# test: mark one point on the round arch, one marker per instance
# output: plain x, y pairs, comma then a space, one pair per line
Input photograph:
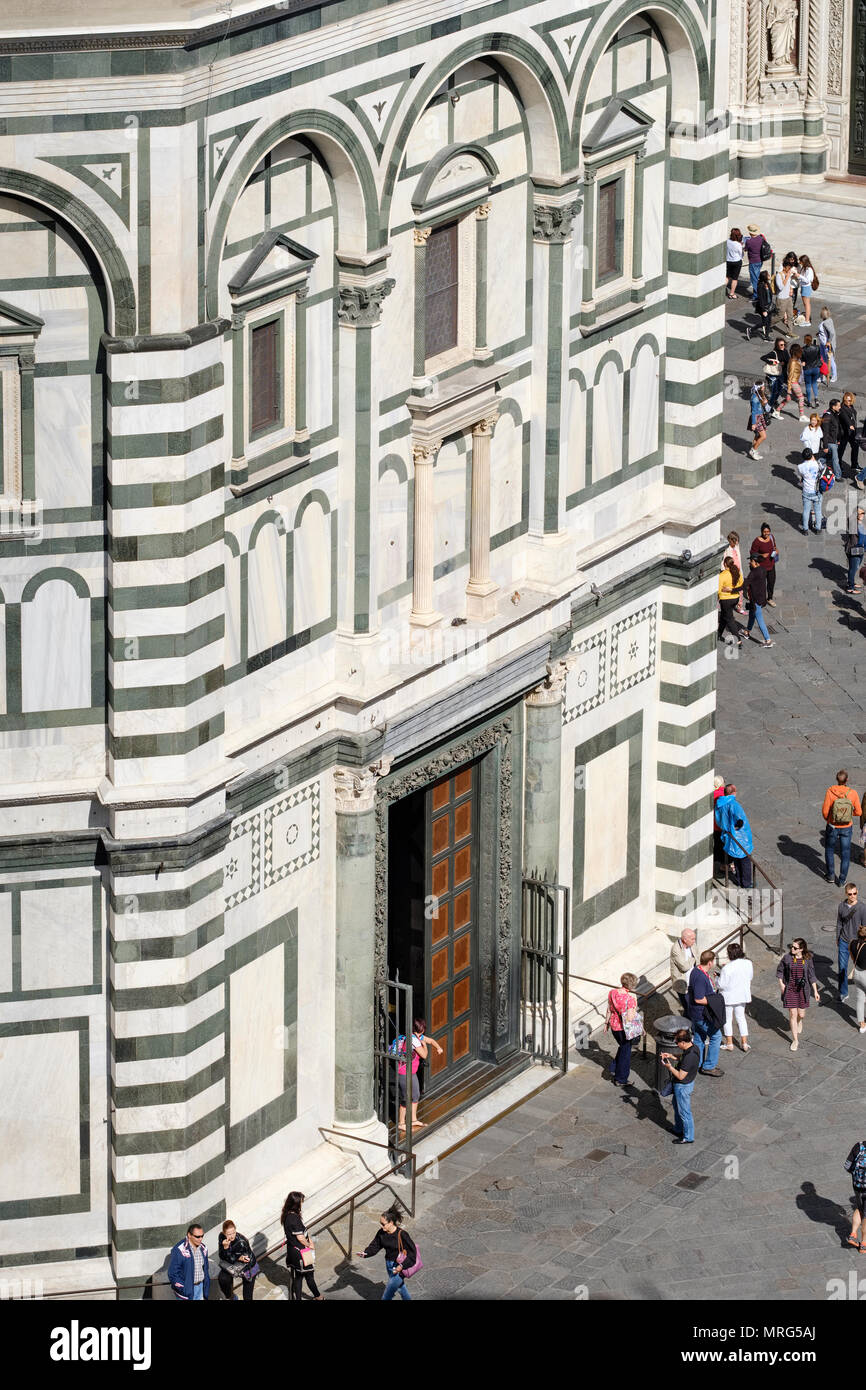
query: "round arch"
646, 340
86, 226
347, 163
317, 496
609, 356
393, 463
66, 576
679, 26
536, 82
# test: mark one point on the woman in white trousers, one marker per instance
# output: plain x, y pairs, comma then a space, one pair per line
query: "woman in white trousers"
735, 984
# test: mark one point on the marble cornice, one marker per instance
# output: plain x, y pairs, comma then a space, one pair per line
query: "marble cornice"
168, 342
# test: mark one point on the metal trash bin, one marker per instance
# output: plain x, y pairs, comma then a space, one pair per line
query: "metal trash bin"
666, 1029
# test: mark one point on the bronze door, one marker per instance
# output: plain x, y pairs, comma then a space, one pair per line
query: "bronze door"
857, 127
451, 947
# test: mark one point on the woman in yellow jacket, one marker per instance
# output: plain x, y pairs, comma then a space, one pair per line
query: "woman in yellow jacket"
730, 589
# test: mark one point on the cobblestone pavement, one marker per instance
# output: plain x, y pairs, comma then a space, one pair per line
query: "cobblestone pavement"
579, 1191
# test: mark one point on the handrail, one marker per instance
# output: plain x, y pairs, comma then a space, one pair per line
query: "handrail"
320, 1222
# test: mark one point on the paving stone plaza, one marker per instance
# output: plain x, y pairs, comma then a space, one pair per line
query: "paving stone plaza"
577, 1193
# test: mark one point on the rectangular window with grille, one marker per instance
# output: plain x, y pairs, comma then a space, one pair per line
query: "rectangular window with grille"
265, 377
440, 291
609, 239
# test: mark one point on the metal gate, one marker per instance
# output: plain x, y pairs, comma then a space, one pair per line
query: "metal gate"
544, 971
394, 1018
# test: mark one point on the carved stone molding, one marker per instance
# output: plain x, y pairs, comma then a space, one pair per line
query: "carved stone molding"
355, 787
552, 688
553, 223
361, 305
499, 735
835, 46
425, 451
482, 212
788, 89
487, 424
421, 235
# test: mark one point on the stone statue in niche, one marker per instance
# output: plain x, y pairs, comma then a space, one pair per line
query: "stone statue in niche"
781, 24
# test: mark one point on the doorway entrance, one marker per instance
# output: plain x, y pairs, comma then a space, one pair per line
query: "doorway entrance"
857, 127
432, 916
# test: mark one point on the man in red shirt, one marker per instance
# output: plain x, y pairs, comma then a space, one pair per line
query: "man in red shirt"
841, 805
765, 547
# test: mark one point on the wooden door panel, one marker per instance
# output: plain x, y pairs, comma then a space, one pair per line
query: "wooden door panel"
450, 953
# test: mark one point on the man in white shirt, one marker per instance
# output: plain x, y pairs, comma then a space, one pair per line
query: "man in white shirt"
809, 470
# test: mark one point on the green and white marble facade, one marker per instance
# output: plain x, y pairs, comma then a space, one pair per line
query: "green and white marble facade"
219, 649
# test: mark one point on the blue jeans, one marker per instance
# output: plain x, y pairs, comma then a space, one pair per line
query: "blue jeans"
854, 564
811, 503
710, 1044
756, 615
777, 389
621, 1064
198, 1293
682, 1097
810, 384
844, 952
754, 272
833, 455
396, 1283
838, 836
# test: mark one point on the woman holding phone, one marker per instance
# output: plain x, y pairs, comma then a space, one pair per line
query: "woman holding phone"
300, 1254
796, 976
400, 1252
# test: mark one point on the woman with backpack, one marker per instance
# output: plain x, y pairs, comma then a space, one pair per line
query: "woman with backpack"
827, 343
855, 1164
401, 1253
300, 1254
854, 542
811, 369
796, 976
857, 957
848, 436
732, 552
795, 371
420, 1047
622, 1019
758, 412
764, 305
776, 373
809, 282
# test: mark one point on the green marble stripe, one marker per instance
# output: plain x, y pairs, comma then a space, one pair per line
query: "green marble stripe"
15, 721
168, 1189
161, 1045
170, 1140
126, 496
696, 172
687, 694
692, 350
602, 485
166, 390
695, 262
669, 905
58, 545
168, 996
684, 656
689, 613
143, 218
166, 745
167, 646
681, 735
679, 860
553, 386
148, 697
680, 477
363, 451
167, 545
169, 899
682, 817
167, 948
690, 436
169, 1092
696, 305
167, 595
165, 444
697, 218
39, 1257
683, 776
163, 1237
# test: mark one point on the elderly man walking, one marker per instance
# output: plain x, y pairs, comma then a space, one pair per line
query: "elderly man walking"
682, 962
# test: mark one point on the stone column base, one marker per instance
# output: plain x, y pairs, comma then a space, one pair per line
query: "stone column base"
481, 601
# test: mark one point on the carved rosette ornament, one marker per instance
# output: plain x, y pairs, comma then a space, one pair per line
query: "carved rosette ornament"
552, 688
355, 787
361, 305
551, 222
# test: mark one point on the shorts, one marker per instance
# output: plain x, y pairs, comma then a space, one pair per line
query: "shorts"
860, 1200
805, 290
759, 424
401, 1088
732, 269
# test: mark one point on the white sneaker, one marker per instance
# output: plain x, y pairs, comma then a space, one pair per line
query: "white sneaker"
804, 419
753, 455
776, 414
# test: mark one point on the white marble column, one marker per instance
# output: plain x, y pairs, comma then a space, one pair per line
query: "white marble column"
423, 613
481, 591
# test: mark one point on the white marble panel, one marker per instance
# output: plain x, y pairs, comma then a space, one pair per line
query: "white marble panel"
311, 599
392, 530
267, 590
429, 135
55, 649
631, 65
57, 937
607, 423
601, 85
576, 456
509, 111
248, 215
67, 257
2, 658
320, 368
449, 489
5, 942
652, 260
319, 189
63, 440
643, 414
606, 820
66, 335
26, 251
473, 114
318, 236
657, 57
288, 196
39, 1102
233, 608
506, 474
257, 1021
507, 250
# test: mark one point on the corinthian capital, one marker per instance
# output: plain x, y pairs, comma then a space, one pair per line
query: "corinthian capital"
551, 689
355, 787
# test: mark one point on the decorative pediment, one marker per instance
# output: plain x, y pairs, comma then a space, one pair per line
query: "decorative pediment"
458, 174
275, 261
620, 123
17, 323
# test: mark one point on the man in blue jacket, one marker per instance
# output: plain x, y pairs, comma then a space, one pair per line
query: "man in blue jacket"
736, 834
188, 1271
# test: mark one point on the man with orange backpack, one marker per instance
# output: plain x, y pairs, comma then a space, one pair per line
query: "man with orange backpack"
841, 805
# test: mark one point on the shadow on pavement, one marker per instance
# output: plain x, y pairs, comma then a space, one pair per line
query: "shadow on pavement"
822, 1210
